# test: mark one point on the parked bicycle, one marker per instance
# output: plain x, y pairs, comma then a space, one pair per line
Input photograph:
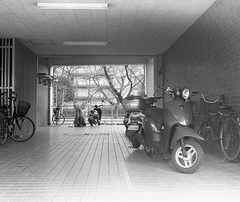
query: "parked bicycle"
227, 133
13, 120
58, 118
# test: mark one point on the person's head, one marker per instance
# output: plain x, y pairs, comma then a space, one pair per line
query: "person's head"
96, 106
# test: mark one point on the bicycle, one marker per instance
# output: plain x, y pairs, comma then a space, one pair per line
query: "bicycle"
58, 118
13, 120
228, 135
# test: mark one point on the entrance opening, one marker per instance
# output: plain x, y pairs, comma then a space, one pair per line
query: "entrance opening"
78, 89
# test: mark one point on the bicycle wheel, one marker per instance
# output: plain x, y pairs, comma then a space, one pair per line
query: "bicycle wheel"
58, 120
205, 131
23, 129
230, 138
3, 132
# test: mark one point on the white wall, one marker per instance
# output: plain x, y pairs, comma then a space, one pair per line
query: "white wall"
153, 79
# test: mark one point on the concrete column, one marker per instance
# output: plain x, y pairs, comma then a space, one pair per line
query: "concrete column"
44, 94
154, 76
150, 78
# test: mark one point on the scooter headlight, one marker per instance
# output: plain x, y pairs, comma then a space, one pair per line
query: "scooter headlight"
185, 93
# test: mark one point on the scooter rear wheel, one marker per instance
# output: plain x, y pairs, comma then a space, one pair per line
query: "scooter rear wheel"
148, 150
192, 161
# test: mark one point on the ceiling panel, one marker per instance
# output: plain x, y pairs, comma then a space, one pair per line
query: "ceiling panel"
131, 27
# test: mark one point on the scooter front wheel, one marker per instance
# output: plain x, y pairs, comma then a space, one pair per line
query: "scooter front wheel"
192, 161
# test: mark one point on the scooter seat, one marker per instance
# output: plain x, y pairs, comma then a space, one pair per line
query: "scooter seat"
155, 113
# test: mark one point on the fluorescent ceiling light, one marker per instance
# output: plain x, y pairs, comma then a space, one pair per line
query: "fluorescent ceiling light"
72, 5
85, 43
41, 41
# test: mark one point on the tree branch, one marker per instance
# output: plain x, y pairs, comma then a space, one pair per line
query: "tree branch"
114, 90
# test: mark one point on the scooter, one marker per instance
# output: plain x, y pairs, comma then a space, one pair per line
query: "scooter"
167, 131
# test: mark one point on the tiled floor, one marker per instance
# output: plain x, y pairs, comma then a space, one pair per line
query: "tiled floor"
86, 164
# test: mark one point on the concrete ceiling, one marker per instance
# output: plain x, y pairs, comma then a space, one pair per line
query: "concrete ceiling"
131, 27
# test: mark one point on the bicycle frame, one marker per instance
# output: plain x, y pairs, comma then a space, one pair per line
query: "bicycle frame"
228, 135
214, 128
57, 113
57, 116
17, 126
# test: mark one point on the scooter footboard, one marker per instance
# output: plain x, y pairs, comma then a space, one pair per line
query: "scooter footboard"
181, 132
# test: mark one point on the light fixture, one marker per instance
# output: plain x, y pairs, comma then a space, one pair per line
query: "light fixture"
72, 5
85, 43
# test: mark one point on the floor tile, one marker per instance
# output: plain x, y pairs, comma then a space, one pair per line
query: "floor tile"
62, 163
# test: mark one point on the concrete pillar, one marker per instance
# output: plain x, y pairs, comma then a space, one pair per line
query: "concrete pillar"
44, 98
154, 76
150, 80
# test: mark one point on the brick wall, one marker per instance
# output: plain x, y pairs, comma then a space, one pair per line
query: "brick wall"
207, 56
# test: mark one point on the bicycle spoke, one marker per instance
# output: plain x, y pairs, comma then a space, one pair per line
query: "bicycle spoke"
58, 119
23, 130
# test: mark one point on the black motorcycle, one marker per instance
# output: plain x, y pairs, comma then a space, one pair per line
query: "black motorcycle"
167, 131
93, 117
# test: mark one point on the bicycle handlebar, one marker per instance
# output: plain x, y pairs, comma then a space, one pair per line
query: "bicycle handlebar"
209, 101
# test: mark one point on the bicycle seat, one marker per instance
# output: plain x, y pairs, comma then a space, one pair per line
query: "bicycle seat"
224, 109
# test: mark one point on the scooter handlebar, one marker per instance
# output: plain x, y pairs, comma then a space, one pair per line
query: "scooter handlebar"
167, 89
150, 100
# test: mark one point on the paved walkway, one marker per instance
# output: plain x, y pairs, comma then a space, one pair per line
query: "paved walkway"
97, 164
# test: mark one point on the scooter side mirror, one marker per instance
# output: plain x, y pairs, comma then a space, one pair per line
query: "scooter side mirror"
168, 89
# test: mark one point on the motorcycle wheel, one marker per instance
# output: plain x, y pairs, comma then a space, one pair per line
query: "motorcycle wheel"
135, 143
194, 158
91, 122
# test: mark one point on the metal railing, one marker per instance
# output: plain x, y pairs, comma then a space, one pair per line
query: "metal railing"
111, 114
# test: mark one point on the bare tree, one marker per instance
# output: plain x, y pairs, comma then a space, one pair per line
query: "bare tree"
111, 82
64, 76
123, 79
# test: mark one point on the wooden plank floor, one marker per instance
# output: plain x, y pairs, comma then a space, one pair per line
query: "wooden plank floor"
97, 164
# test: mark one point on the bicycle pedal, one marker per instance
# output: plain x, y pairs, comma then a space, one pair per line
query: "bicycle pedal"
16, 136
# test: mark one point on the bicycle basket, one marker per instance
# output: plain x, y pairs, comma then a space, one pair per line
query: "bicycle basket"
22, 108
209, 108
